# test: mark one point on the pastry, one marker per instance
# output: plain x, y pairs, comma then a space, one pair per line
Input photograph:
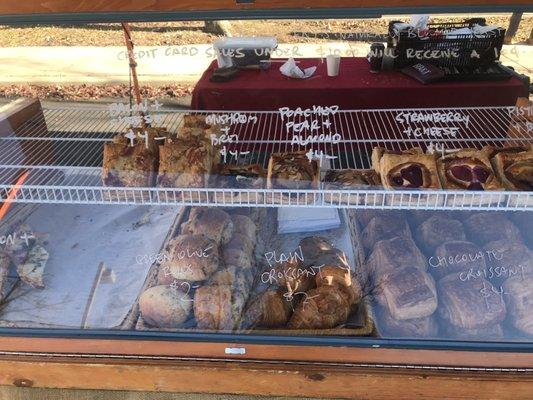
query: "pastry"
417, 217
519, 301
321, 308
415, 328
214, 308
31, 271
211, 222
164, 306
514, 167
524, 221
378, 152
506, 258
488, 333
195, 126
363, 216
457, 257
407, 170
342, 279
312, 246
470, 303
4, 271
407, 293
330, 257
185, 163
190, 258
468, 169
241, 178
485, 227
130, 166
384, 227
291, 276
292, 171
436, 230
240, 242
392, 254
233, 276
270, 309
245, 226
352, 179
238, 258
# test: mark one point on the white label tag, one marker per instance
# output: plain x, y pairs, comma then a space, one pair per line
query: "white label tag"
235, 350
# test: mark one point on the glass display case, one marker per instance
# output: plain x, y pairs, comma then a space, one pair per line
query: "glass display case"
354, 191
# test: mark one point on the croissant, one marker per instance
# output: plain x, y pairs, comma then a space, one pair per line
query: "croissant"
341, 278
321, 308
270, 309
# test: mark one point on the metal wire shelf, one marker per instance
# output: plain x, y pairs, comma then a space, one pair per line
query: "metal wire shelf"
63, 156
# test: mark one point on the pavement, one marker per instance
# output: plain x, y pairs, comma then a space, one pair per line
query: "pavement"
159, 65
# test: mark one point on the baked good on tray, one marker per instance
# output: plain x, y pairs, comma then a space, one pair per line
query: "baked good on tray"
519, 298
239, 177
321, 308
456, 257
185, 163
164, 306
269, 309
383, 227
292, 171
485, 227
514, 168
131, 166
212, 222
392, 254
409, 170
469, 303
437, 229
407, 293
393, 328
190, 258
352, 179
468, 169
195, 126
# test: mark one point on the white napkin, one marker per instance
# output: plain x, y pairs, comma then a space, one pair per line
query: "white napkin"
419, 22
294, 219
482, 30
291, 70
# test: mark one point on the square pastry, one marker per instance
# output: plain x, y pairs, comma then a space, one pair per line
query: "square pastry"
408, 170
186, 163
240, 177
195, 126
128, 165
469, 169
514, 167
292, 171
352, 179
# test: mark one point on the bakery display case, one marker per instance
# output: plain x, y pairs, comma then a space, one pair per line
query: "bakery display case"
334, 229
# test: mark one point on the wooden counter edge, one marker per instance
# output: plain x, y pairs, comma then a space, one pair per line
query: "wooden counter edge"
142, 348
264, 379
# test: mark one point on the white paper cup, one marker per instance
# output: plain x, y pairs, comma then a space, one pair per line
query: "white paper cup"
333, 62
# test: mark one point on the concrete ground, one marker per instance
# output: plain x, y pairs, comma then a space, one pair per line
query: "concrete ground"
167, 64
12, 393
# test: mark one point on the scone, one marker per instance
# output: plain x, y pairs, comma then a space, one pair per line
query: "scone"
292, 171
130, 166
211, 222
185, 163
242, 178
352, 179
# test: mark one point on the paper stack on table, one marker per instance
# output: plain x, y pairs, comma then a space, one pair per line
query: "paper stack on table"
292, 220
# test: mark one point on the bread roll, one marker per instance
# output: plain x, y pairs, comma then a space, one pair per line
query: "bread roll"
485, 227
382, 228
407, 293
469, 304
213, 307
321, 308
392, 254
457, 257
211, 222
164, 307
245, 226
519, 300
436, 230
238, 258
415, 328
191, 258
240, 242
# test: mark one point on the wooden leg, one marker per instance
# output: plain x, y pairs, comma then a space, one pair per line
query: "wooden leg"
514, 23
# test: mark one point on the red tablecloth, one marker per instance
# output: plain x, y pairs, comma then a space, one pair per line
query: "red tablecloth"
355, 88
